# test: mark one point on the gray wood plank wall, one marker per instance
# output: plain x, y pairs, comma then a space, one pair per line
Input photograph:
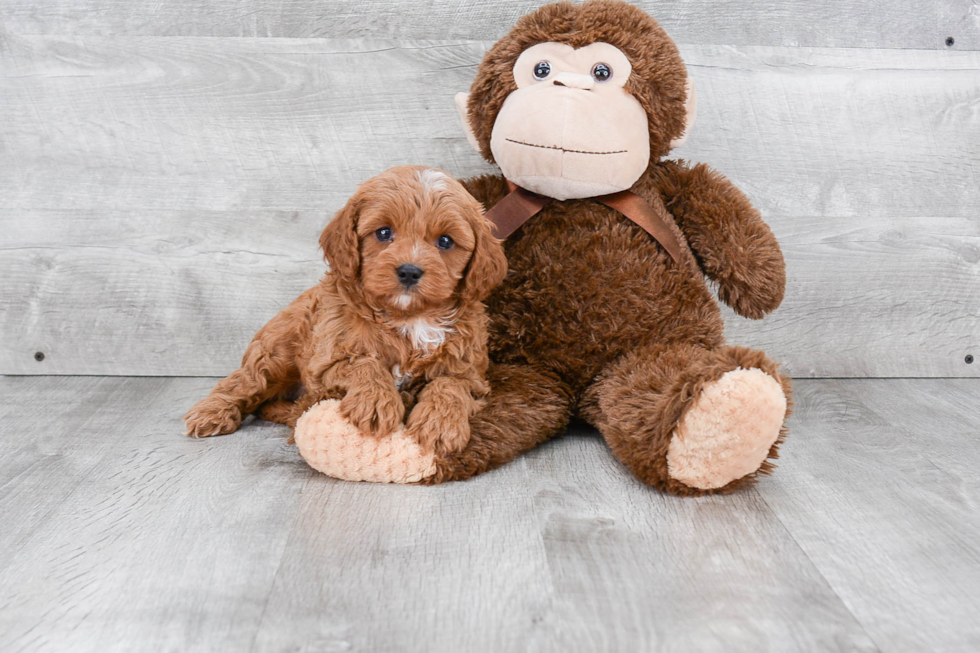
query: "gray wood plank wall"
827, 23
165, 169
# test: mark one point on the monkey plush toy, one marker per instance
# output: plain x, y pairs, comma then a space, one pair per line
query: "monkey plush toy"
605, 313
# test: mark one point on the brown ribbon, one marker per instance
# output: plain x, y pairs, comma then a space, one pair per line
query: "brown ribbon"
515, 209
520, 205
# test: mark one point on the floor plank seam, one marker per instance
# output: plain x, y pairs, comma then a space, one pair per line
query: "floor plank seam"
282, 560
539, 525
816, 568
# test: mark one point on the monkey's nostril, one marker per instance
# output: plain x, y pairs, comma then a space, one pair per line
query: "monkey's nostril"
409, 274
557, 83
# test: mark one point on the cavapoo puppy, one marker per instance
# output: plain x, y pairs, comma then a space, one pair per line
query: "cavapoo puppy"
397, 324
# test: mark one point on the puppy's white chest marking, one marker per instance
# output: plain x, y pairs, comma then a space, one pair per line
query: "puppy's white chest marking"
425, 335
401, 378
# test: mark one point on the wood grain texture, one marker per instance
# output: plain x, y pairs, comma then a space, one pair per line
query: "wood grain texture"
634, 570
161, 196
292, 124
827, 23
880, 489
120, 534
873, 297
458, 567
158, 292
167, 292
223, 124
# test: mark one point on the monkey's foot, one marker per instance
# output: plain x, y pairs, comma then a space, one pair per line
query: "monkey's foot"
332, 445
728, 431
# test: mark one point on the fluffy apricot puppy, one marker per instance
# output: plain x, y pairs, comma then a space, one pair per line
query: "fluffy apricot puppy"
396, 324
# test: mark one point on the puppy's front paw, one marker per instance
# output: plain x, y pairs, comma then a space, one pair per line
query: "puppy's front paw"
374, 413
212, 416
436, 431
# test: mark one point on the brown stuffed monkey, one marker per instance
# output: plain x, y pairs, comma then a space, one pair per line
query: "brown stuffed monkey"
606, 313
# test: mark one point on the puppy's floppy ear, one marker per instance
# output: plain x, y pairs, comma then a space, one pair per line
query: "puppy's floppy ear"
488, 264
340, 243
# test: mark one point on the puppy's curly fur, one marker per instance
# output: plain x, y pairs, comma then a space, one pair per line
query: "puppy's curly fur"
396, 325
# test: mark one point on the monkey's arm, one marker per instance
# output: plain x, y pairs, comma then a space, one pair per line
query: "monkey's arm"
732, 244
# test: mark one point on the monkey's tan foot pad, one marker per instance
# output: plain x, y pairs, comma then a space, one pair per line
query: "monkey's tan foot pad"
728, 431
332, 445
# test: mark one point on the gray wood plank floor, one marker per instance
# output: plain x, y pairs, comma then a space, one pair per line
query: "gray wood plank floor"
119, 534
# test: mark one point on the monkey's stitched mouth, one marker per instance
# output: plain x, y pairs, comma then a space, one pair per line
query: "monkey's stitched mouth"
555, 147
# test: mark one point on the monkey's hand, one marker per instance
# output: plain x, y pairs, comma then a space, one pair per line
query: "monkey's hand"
733, 245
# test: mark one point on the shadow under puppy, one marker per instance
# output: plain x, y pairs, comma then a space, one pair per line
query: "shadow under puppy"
396, 325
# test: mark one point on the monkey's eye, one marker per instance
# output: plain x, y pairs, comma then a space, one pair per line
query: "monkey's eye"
542, 69
601, 72
445, 242
383, 234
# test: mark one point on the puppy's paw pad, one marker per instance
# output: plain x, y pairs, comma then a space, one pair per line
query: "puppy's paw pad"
332, 445
728, 431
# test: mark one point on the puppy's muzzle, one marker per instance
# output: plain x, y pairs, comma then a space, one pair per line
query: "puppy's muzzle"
409, 274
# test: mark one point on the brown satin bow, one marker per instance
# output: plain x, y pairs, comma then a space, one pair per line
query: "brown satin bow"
520, 205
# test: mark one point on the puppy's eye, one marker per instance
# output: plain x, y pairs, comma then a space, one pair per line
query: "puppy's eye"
601, 72
383, 234
542, 69
445, 242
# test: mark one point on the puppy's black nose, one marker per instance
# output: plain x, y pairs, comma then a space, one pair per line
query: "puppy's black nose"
409, 274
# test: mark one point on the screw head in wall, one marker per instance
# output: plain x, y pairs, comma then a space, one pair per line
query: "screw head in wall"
39, 356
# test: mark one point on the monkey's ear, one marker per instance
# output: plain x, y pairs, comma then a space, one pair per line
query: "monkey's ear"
340, 244
691, 107
461, 101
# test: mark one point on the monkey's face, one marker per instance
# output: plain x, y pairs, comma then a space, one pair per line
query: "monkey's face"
571, 129
579, 100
